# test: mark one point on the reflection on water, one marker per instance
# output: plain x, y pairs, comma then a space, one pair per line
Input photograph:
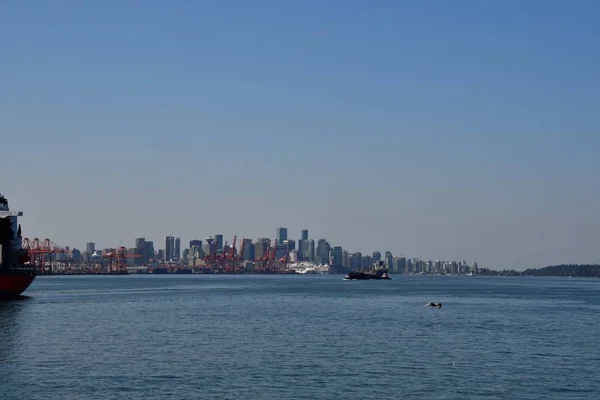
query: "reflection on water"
10, 327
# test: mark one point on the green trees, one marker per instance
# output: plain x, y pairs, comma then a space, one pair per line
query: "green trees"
574, 270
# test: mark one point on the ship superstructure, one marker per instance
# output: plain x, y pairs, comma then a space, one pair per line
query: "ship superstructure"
15, 276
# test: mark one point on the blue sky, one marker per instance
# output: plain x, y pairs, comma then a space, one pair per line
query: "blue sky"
443, 130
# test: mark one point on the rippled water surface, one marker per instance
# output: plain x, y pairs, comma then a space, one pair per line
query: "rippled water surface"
301, 337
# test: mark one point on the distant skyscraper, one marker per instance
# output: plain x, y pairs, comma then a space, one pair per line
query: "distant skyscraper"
345, 258
249, 254
196, 252
76, 255
148, 252
323, 251
260, 247
195, 242
289, 245
356, 262
402, 265
281, 235
303, 238
376, 257
177, 253
219, 242
337, 256
389, 261
131, 261
169, 248
139, 252
366, 263
210, 248
90, 247
308, 250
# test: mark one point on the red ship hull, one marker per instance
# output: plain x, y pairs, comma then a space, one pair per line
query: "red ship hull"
12, 285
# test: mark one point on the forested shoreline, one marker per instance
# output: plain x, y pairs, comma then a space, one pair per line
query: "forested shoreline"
572, 270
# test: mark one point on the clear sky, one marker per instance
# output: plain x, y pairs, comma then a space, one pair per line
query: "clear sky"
434, 129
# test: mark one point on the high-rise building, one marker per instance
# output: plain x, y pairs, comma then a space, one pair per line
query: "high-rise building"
293, 256
260, 247
90, 247
76, 255
132, 261
402, 265
195, 253
337, 256
177, 252
289, 245
366, 262
169, 248
303, 237
195, 242
148, 252
210, 248
376, 257
249, 253
322, 252
351, 261
345, 258
219, 242
389, 261
139, 252
281, 235
356, 263
308, 250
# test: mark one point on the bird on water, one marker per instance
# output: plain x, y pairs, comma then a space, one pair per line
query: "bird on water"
432, 304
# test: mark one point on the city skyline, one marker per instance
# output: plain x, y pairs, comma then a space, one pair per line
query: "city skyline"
250, 255
162, 246
430, 128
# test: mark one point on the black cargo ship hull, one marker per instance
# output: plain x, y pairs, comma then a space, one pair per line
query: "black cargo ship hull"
368, 276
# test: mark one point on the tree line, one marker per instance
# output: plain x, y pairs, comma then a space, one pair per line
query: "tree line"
573, 270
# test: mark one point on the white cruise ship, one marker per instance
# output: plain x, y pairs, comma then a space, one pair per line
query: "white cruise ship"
305, 267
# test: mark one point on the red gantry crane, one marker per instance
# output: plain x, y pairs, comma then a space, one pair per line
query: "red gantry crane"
117, 260
40, 253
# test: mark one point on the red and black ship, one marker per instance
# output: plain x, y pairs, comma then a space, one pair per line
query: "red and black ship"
15, 275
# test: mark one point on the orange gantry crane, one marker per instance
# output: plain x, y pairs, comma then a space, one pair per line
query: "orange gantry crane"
261, 263
40, 253
229, 255
230, 260
268, 263
117, 260
240, 258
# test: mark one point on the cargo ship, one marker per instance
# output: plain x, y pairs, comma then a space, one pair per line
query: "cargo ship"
378, 274
15, 275
359, 275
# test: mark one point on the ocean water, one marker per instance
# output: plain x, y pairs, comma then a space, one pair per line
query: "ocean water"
301, 337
